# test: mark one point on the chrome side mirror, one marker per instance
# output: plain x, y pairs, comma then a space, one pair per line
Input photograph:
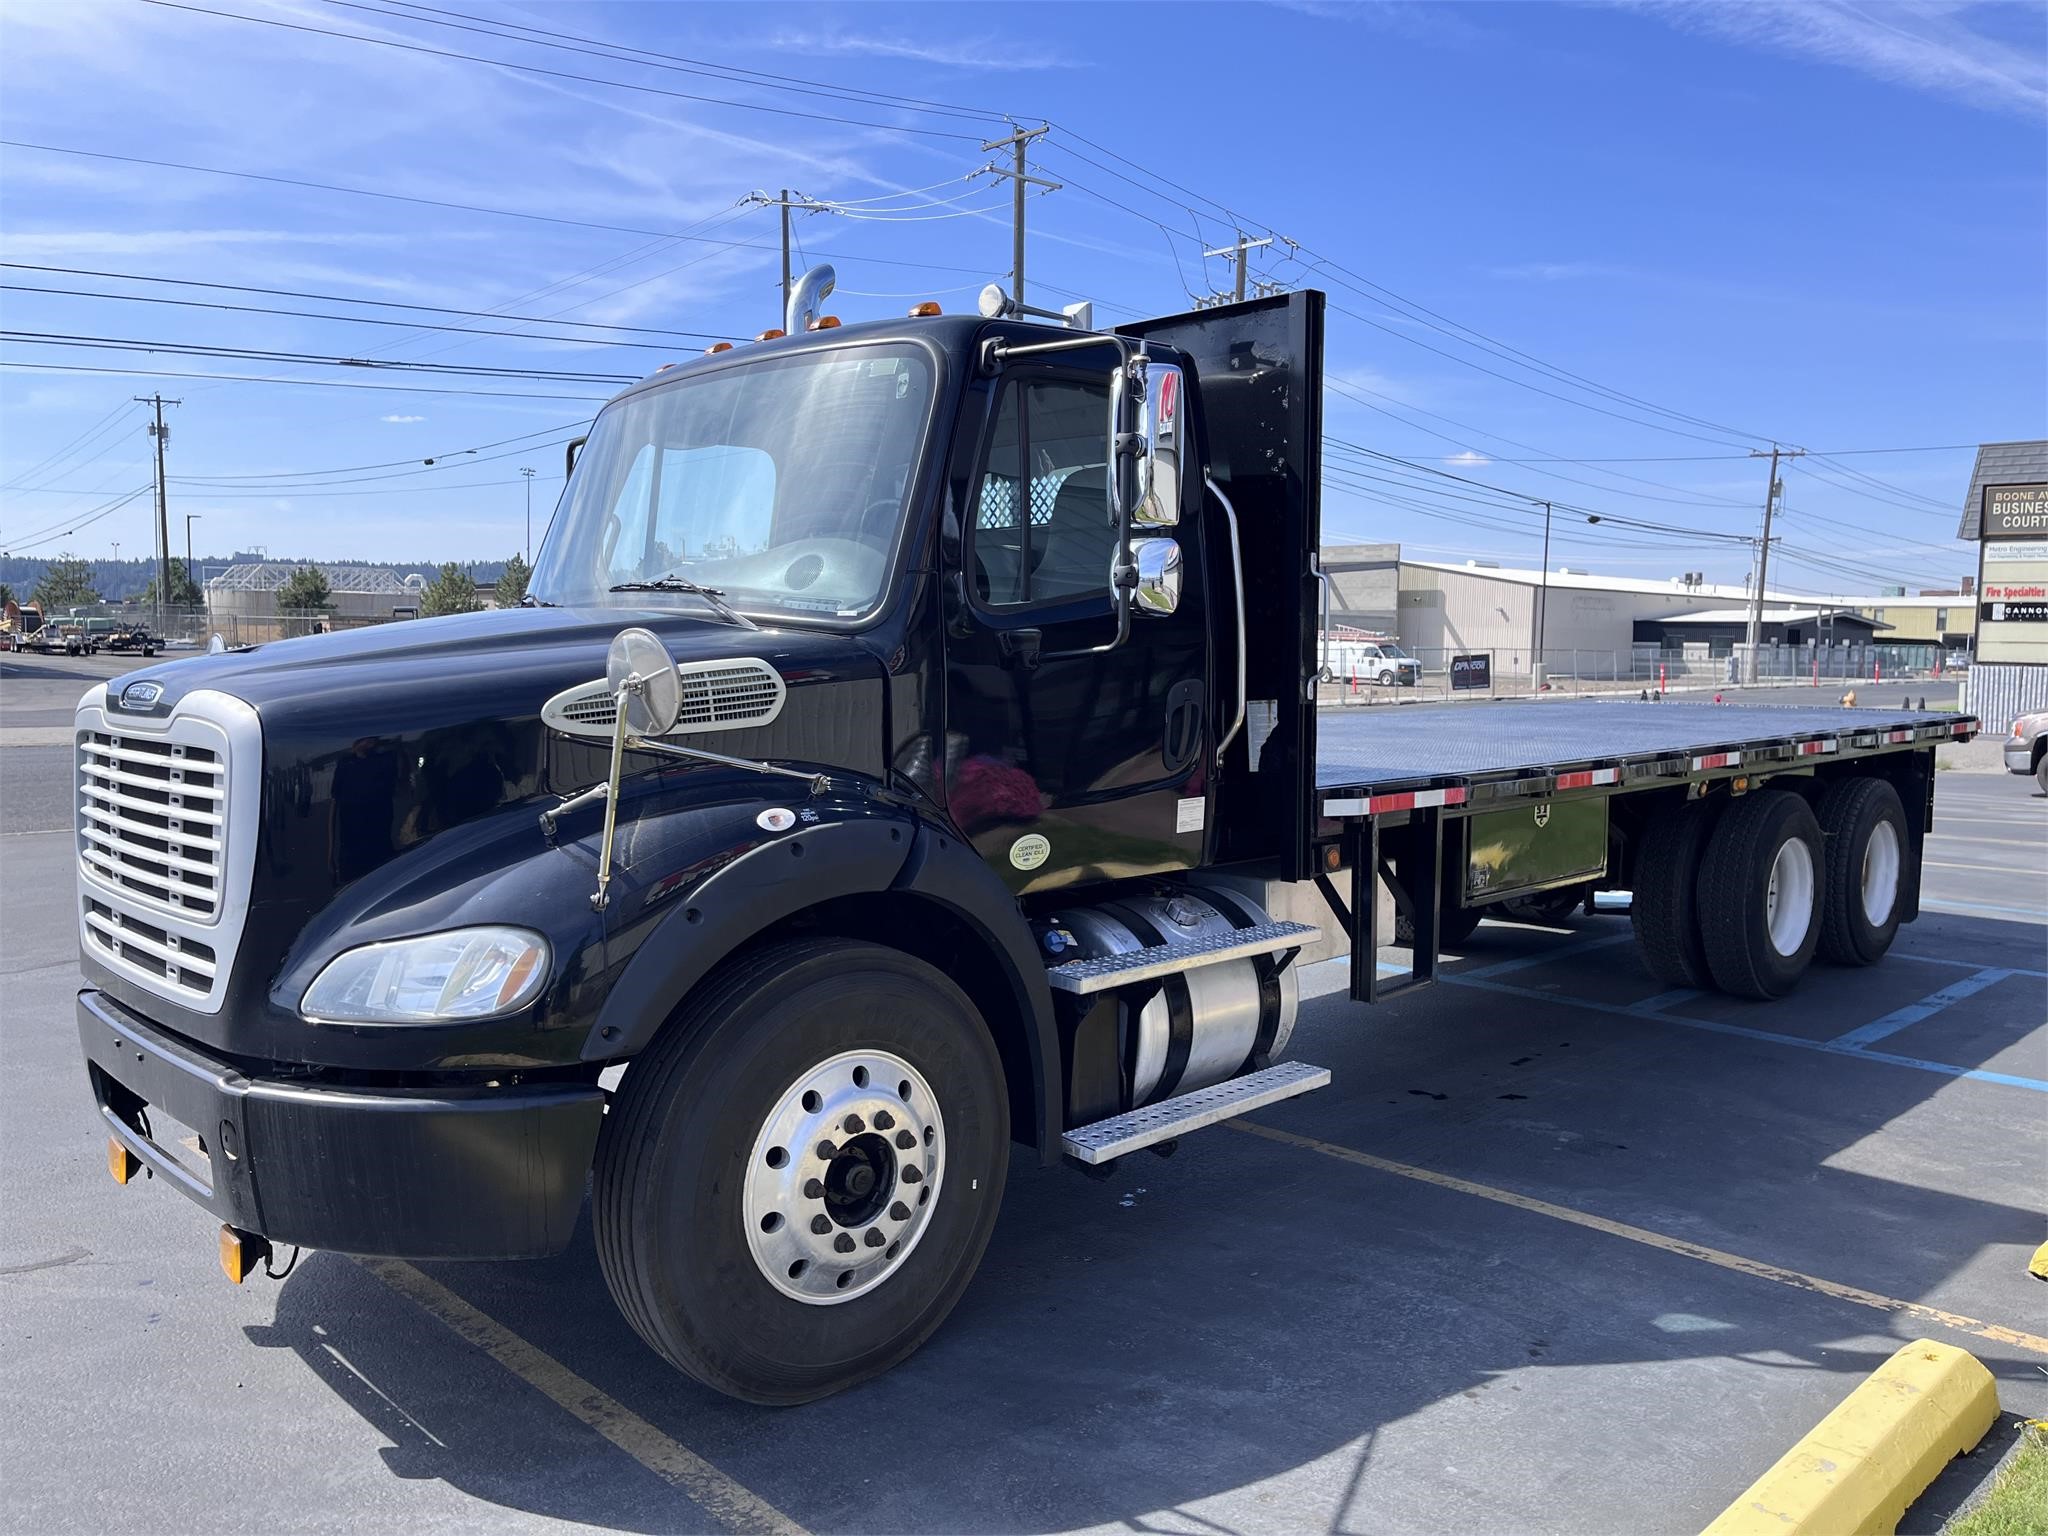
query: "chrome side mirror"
1159, 575
1159, 420
1130, 451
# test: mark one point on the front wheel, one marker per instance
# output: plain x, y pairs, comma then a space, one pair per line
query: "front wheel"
1386, 679
796, 1182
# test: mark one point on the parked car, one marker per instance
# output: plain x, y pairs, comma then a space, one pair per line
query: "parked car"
2026, 749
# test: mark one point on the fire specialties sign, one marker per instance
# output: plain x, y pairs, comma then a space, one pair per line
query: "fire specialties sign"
2014, 511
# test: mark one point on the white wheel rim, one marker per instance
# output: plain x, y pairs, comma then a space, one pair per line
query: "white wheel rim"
1880, 873
1788, 899
843, 1178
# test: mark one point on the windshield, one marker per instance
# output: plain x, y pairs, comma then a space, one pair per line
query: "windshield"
1388, 648
780, 484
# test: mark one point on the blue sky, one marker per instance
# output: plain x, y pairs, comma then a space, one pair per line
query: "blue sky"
1636, 240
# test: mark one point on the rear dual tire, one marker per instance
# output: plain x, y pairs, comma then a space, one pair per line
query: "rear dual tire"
1760, 894
706, 1221
1866, 870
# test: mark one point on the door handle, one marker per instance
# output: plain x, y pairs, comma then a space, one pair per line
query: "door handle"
1019, 648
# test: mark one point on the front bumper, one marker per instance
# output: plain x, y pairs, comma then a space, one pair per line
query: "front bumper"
399, 1173
2019, 756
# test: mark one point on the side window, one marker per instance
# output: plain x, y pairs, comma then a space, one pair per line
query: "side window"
1042, 528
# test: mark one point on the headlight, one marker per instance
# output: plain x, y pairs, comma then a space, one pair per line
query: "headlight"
466, 973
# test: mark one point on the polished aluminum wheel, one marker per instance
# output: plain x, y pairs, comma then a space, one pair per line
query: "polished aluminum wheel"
844, 1177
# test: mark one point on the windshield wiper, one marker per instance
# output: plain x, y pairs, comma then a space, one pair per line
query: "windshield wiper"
674, 583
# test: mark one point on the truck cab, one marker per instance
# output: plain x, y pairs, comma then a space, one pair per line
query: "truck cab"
960, 700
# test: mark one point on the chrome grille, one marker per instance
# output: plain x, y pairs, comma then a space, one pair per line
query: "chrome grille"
152, 820
182, 964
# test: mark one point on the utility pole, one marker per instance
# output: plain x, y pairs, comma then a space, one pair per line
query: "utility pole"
528, 474
1542, 612
189, 517
162, 434
1239, 251
1017, 140
785, 202
1772, 493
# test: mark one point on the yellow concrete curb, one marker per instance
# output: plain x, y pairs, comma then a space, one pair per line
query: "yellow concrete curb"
1857, 1470
2037, 1266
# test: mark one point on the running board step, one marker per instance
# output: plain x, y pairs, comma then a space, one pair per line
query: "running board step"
1140, 1128
1155, 960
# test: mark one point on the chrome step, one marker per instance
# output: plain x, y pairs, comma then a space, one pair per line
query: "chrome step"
1154, 960
1139, 1128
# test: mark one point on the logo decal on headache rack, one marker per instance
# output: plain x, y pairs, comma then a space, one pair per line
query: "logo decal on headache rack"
1030, 851
1543, 813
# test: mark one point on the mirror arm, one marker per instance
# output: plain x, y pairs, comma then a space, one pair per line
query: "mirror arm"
601, 897
1237, 579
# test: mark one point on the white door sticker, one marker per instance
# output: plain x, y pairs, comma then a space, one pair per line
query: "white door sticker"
1188, 814
1030, 851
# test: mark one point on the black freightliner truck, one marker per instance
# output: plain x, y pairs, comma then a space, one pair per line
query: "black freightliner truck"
909, 747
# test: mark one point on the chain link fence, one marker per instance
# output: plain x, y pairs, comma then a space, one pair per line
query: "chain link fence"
181, 627
1640, 669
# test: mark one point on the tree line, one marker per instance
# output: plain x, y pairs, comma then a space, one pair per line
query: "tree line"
67, 582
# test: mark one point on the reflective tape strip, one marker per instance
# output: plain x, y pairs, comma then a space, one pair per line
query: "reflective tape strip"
1898, 735
1964, 729
1717, 760
1589, 777
1380, 805
1810, 748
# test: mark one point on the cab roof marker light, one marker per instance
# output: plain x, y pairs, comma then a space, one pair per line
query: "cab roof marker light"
773, 333
925, 310
825, 323
718, 346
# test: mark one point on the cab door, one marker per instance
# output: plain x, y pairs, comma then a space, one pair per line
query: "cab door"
1066, 762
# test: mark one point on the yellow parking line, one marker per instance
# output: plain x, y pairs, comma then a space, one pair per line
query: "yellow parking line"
737, 1508
1756, 1268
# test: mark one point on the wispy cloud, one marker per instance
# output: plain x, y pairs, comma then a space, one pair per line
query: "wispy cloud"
1409, 20
961, 53
1468, 459
1929, 45
401, 420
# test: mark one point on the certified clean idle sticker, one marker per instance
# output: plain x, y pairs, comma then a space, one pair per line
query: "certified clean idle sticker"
1030, 851
1188, 814
777, 818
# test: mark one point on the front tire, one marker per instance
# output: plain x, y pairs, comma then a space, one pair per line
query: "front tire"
1760, 894
749, 1231
1386, 679
1867, 854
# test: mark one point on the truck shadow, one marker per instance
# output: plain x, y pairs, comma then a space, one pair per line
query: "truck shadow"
1246, 1309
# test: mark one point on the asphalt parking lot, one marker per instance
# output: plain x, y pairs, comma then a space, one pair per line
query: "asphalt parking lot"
1559, 1250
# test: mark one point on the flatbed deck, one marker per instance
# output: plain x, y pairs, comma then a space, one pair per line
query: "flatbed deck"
1361, 752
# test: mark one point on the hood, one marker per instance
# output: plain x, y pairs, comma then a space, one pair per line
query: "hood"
376, 740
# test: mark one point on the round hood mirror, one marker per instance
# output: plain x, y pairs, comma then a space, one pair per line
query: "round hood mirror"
655, 696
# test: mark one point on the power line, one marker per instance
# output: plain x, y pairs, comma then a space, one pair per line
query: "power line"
561, 74
267, 355
342, 298
287, 492
34, 539
307, 314
676, 63
92, 431
429, 460
238, 378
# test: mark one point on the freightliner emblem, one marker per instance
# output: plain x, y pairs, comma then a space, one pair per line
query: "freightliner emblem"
141, 695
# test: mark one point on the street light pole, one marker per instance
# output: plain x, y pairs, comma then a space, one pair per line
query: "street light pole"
528, 475
1542, 610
